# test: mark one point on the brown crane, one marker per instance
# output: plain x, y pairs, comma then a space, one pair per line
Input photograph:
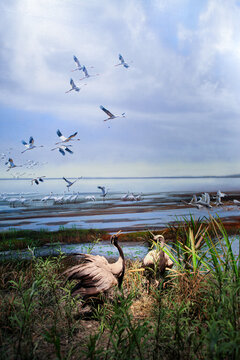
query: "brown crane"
96, 274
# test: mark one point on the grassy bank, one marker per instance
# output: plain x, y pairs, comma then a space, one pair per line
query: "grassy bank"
194, 312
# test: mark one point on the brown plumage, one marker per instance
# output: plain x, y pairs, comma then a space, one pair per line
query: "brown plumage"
96, 274
158, 259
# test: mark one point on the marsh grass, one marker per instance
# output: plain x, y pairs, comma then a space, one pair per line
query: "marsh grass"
193, 314
20, 239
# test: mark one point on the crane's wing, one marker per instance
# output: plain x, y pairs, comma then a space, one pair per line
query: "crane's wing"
10, 161
72, 83
31, 141
126, 65
94, 276
61, 151
76, 61
71, 136
36, 181
68, 150
102, 188
24, 142
69, 182
85, 71
63, 138
106, 111
121, 58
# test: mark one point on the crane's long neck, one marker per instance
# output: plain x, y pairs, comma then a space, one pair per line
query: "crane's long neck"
120, 262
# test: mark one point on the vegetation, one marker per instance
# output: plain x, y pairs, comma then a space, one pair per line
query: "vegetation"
193, 314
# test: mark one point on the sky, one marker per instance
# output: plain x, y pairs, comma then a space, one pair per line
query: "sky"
181, 92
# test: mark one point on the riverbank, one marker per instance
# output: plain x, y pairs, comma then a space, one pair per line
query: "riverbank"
193, 313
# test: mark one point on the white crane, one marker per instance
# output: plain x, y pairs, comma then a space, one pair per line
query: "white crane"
122, 62
78, 65
87, 74
30, 145
111, 116
37, 180
103, 189
90, 197
62, 149
70, 183
11, 164
205, 200
74, 87
66, 139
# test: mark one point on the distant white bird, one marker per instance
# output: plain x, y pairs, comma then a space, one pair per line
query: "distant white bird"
74, 87
37, 179
11, 164
122, 62
66, 139
62, 149
70, 183
103, 189
30, 145
236, 202
87, 74
78, 65
205, 200
111, 116
90, 197
220, 194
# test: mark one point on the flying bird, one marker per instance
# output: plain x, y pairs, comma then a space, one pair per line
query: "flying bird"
110, 115
62, 149
74, 87
79, 66
87, 74
30, 145
96, 275
70, 183
122, 62
104, 192
37, 179
66, 139
11, 164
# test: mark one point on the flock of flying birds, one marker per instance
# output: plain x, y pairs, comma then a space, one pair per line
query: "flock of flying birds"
83, 68
64, 146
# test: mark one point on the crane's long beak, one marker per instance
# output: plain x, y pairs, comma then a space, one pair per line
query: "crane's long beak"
115, 235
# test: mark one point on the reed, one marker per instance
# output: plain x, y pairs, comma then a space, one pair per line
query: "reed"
193, 313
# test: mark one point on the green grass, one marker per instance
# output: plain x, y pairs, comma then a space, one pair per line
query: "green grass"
194, 313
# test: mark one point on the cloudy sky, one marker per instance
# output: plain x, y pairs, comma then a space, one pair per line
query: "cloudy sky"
181, 93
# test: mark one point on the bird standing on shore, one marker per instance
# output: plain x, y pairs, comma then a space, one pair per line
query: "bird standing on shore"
96, 275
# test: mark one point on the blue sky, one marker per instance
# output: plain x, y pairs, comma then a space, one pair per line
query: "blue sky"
180, 94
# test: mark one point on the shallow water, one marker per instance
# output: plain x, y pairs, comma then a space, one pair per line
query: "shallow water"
131, 251
160, 203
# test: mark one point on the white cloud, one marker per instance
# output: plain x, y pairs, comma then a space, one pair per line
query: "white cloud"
181, 92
